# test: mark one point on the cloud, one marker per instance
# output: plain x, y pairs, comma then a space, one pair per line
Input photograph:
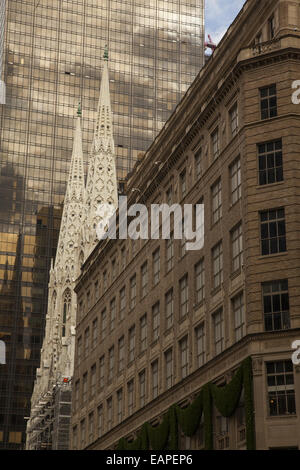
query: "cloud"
219, 15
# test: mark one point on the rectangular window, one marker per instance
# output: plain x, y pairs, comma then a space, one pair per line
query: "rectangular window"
105, 281
88, 299
130, 394
156, 266
169, 301
281, 389
84, 388
169, 196
217, 261
271, 27
131, 343
123, 258
237, 248
238, 309
143, 332
219, 340
133, 292
234, 120
170, 252
169, 368
276, 305
272, 230
182, 180
184, 360
268, 102
142, 383
235, 181
103, 324
109, 404
112, 314
122, 302
100, 420
95, 333
199, 282
101, 372
111, 363
184, 296
113, 269
144, 279
155, 321
79, 349
215, 144
86, 342
77, 390
120, 405
216, 194
82, 433
154, 369
198, 163
121, 346
91, 426
93, 380
270, 162
96, 290
200, 345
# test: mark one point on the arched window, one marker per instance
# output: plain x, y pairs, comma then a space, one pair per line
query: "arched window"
66, 309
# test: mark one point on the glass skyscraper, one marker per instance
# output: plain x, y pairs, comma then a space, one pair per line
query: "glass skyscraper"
51, 55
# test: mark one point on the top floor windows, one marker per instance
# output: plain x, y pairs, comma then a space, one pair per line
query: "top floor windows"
268, 102
234, 119
270, 162
215, 140
273, 234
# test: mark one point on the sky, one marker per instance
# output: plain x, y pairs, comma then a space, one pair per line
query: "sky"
219, 14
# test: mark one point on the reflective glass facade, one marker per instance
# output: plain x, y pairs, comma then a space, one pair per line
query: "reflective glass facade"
52, 59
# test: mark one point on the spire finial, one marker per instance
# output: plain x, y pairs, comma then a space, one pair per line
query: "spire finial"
105, 56
79, 109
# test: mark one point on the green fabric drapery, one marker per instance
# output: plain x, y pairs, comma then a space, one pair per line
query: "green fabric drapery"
225, 399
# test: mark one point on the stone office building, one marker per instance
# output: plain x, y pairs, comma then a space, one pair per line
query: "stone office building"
160, 330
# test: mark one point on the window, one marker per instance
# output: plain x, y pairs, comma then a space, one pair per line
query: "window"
101, 371
84, 388
144, 279
154, 369
86, 342
235, 181
77, 388
198, 163
111, 363
169, 368
121, 345
75, 444
183, 348
281, 389
91, 426
113, 269
122, 302
112, 314
120, 405
272, 229
272, 27
103, 324
143, 331
88, 300
93, 380
156, 266
131, 342
200, 345
82, 433
123, 258
199, 282
95, 333
234, 120
142, 383
183, 240
130, 392
215, 144
270, 162
133, 291
105, 281
184, 296
66, 311
79, 349
100, 420
258, 38
238, 309
268, 102
237, 248
216, 193
169, 196
170, 252
217, 260
219, 340
276, 305
182, 181
155, 321
109, 404
169, 300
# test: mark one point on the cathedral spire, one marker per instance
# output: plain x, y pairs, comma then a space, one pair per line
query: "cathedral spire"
101, 179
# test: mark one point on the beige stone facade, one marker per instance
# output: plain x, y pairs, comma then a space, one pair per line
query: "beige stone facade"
231, 144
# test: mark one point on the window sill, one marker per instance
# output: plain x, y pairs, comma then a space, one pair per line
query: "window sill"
199, 304
216, 290
236, 274
273, 255
281, 417
154, 343
270, 185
